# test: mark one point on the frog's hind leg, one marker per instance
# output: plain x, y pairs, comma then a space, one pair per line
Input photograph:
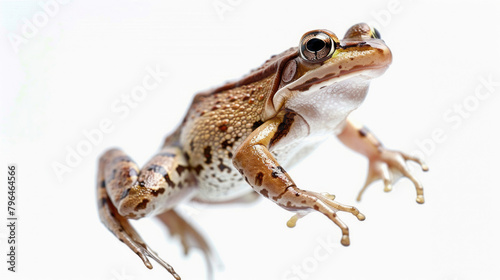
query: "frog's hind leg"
124, 231
123, 192
189, 236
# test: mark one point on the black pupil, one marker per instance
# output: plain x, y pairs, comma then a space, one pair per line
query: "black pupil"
315, 45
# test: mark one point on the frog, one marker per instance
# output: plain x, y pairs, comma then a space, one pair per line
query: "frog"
237, 141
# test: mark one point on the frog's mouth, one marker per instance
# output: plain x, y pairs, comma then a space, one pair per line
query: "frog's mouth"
332, 78
306, 86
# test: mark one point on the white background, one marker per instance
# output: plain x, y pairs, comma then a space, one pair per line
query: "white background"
63, 79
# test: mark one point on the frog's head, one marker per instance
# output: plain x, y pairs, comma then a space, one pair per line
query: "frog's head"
326, 66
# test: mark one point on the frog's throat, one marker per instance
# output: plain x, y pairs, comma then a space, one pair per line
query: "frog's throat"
314, 84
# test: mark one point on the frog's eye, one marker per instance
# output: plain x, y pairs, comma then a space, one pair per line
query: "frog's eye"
316, 46
375, 34
362, 31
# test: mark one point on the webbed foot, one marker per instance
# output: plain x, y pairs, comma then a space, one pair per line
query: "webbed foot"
390, 166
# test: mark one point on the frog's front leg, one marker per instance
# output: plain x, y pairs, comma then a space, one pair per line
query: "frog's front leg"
384, 164
261, 170
124, 192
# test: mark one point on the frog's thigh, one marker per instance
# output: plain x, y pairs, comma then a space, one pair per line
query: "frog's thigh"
123, 192
160, 185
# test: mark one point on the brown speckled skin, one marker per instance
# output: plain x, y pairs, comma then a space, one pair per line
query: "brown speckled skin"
239, 139
219, 123
195, 162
